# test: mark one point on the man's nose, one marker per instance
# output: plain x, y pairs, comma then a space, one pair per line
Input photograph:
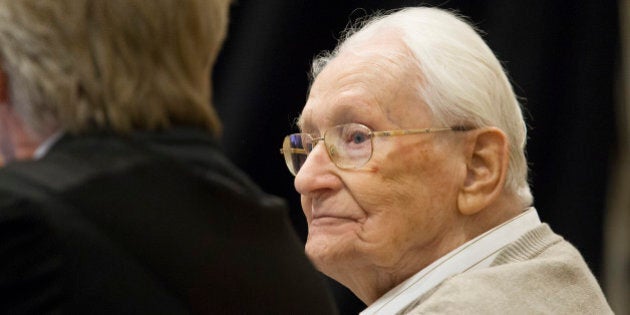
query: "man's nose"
318, 172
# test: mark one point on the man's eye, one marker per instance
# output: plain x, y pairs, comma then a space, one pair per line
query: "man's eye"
359, 137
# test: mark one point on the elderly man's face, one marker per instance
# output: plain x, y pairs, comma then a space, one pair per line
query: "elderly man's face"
390, 215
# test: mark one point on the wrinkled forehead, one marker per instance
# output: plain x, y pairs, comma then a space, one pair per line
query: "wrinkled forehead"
372, 77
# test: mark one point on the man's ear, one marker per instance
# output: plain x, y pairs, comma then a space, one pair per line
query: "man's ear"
487, 160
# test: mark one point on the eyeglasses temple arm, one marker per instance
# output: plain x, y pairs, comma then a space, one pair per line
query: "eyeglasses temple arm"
293, 150
388, 133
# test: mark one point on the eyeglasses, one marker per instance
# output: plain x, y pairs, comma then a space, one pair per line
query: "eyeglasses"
349, 146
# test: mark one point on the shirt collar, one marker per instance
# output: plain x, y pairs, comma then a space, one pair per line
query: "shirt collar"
475, 254
45, 146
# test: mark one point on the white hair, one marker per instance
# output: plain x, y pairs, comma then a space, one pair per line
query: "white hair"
463, 83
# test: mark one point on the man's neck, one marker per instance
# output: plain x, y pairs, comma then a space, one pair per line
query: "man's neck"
16, 142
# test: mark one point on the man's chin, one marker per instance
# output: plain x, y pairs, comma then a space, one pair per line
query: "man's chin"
330, 243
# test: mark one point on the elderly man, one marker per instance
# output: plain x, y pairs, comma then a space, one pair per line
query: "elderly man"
130, 207
411, 168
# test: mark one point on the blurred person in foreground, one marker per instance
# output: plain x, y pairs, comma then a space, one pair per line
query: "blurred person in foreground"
129, 206
411, 168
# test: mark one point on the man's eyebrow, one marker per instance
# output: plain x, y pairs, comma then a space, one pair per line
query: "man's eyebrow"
305, 126
342, 114
348, 113
300, 122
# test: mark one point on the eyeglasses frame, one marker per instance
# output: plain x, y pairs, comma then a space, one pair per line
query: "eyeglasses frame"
371, 134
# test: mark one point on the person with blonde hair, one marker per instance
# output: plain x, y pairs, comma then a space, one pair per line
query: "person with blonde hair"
410, 163
128, 205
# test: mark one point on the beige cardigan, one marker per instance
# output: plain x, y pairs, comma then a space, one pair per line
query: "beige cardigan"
540, 273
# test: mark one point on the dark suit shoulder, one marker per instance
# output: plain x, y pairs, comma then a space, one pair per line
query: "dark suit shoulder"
32, 263
147, 229
56, 257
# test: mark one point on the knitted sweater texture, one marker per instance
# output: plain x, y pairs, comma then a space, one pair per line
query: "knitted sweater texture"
540, 273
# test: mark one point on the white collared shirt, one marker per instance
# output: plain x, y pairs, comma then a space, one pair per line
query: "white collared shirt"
475, 254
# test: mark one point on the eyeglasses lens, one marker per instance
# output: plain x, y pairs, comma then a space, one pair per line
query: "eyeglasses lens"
349, 145
294, 152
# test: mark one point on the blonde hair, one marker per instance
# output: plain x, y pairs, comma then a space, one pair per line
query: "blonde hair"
76, 65
463, 83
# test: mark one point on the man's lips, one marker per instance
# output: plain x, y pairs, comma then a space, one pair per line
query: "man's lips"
321, 215
331, 210
327, 221
317, 215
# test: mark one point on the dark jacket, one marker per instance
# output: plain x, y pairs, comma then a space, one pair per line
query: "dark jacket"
153, 223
